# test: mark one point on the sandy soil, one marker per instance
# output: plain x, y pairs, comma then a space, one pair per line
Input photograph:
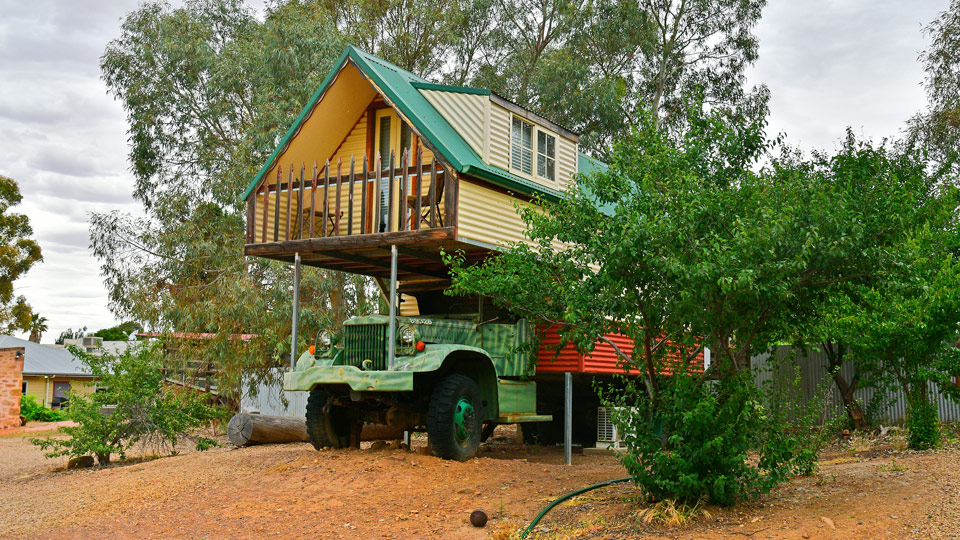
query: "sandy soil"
294, 491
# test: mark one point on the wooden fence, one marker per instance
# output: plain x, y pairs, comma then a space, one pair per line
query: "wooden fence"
331, 201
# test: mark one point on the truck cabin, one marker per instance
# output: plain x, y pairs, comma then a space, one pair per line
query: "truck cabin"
380, 157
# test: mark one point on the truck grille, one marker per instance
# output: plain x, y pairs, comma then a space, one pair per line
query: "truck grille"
365, 341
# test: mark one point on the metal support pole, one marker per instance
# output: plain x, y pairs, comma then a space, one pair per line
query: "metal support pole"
406, 439
296, 311
392, 331
567, 418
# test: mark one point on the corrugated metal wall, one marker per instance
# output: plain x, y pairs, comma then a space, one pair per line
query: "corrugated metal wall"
267, 401
499, 140
465, 112
813, 373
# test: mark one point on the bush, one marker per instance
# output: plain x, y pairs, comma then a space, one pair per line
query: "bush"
923, 422
702, 441
145, 410
35, 412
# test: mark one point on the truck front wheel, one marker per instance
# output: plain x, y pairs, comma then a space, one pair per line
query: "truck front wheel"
329, 425
455, 418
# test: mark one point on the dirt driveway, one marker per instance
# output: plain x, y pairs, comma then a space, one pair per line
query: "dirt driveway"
292, 491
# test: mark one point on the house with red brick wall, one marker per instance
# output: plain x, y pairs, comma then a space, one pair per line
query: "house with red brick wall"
11, 378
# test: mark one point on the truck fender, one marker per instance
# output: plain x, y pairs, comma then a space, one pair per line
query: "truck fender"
439, 360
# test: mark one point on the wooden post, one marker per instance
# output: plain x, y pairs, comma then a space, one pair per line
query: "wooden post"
276, 209
378, 224
391, 197
415, 225
265, 208
350, 199
433, 194
447, 198
289, 197
313, 201
251, 216
336, 212
363, 198
326, 199
303, 168
402, 214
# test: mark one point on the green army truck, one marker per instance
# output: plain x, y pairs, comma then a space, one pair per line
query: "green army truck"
456, 371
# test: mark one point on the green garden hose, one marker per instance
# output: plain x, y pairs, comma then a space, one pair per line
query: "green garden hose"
567, 496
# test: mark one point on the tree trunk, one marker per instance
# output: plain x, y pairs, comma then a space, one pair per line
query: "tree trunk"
246, 429
854, 410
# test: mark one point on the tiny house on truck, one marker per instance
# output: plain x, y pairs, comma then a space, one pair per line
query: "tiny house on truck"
380, 173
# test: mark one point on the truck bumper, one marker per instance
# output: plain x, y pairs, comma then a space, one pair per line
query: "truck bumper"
361, 381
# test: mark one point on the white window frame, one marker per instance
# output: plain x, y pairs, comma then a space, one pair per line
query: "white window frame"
535, 135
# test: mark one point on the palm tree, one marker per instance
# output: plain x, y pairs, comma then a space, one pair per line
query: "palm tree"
38, 325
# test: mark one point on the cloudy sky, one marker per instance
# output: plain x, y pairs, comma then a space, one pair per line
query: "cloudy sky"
829, 64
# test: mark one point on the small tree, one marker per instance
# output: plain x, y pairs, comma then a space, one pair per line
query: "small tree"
681, 243
145, 412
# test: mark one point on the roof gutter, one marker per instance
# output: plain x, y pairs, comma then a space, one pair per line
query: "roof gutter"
486, 174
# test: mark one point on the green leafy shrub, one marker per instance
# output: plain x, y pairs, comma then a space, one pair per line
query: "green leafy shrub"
923, 422
132, 406
35, 412
706, 440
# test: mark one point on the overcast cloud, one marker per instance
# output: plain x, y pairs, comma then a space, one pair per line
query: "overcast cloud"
828, 64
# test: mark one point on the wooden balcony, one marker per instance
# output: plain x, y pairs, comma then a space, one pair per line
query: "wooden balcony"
345, 216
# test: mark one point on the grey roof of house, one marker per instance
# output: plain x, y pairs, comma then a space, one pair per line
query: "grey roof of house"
42, 360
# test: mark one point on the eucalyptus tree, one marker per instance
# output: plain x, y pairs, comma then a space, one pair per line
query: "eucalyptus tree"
18, 253
939, 125
591, 65
208, 89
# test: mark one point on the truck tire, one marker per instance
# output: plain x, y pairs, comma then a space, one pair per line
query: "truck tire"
455, 418
329, 428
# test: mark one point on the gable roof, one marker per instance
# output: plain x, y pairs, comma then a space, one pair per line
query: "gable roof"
401, 89
43, 360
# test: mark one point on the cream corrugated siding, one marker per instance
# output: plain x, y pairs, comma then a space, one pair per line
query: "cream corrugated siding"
488, 216
354, 144
566, 162
499, 137
408, 306
465, 112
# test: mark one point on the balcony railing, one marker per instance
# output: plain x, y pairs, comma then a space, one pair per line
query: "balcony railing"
352, 199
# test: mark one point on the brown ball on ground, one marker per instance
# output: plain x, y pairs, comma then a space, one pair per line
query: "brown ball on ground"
478, 518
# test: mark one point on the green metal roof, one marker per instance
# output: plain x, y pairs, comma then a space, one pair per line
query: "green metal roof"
401, 89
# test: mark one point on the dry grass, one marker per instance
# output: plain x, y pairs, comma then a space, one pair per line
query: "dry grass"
672, 514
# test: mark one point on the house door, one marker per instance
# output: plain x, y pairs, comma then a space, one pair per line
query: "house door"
391, 135
61, 393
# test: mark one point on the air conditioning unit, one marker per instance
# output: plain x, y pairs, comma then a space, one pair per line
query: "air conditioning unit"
92, 343
607, 435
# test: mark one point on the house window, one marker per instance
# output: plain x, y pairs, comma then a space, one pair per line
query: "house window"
546, 155
24, 388
521, 146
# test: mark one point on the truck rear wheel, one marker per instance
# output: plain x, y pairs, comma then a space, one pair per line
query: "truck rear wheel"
455, 418
329, 426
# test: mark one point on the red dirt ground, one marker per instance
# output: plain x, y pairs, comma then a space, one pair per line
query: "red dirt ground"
293, 491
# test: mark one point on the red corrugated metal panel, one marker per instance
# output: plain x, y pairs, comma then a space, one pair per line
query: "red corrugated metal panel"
567, 360
603, 358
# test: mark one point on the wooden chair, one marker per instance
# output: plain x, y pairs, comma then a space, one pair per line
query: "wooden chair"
304, 223
425, 208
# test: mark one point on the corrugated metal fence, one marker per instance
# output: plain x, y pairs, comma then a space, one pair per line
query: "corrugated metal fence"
813, 374
268, 401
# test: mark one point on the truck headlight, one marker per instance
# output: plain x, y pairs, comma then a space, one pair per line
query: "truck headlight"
325, 339
407, 335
